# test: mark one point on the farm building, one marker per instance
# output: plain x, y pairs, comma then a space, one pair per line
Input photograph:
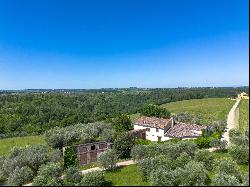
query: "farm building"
159, 129
87, 153
243, 95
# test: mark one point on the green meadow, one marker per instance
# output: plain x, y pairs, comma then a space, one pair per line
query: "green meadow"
126, 176
7, 143
210, 109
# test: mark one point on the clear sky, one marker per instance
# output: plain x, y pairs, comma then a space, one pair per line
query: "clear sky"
123, 43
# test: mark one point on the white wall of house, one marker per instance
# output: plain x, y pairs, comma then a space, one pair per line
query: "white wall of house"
153, 135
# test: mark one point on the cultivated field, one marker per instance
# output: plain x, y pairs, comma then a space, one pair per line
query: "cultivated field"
8, 143
243, 115
209, 110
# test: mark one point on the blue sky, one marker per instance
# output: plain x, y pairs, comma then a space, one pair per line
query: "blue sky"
123, 43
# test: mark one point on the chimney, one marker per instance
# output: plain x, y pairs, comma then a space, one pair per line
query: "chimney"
172, 122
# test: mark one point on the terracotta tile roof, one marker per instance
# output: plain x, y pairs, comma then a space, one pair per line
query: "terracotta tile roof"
152, 122
182, 130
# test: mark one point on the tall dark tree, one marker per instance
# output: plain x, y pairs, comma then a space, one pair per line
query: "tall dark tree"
122, 123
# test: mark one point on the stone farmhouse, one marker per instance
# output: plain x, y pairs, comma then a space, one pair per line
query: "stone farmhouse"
87, 153
159, 129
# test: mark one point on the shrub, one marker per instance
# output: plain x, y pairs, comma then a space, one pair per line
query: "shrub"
70, 157
222, 179
203, 142
20, 176
240, 153
123, 144
206, 157
108, 159
142, 142
72, 176
93, 179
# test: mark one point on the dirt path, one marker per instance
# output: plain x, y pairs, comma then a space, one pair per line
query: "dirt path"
124, 163
230, 122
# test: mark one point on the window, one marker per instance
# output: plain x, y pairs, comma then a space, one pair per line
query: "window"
157, 130
92, 147
148, 129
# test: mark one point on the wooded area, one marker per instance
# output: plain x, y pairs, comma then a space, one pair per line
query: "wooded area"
34, 113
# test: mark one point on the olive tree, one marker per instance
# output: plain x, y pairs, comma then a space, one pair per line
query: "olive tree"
30, 156
206, 157
139, 152
219, 144
72, 176
108, 159
55, 137
108, 135
48, 174
93, 179
246, 179
193, 174
145, 166
240, 153
162, 177
223, 179
182, 160
228, 166
20, 176
187, 147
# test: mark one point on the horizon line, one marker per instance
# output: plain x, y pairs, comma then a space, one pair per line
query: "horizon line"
132, 87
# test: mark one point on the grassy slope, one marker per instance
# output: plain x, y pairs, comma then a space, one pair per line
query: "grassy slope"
210, 109
126, 176
8, 143
243, 115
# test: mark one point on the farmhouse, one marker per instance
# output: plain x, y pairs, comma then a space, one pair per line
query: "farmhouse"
159, 129
243, 95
